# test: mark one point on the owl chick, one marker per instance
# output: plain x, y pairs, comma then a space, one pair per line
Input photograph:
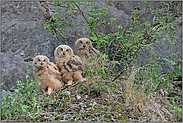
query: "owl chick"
47, 73
69, 65
85, 49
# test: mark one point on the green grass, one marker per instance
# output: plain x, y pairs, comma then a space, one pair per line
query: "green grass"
106, 101
139, 93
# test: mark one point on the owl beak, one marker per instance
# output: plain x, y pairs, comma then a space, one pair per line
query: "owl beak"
84, 45
41, 63
64, 52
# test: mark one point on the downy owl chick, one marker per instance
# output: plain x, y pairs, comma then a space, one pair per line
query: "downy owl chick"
47, 74
85, 49
69, 65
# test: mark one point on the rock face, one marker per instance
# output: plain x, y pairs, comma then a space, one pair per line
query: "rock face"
164, 48
24, 36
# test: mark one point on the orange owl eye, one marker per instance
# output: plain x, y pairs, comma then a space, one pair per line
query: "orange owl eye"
81, 42
61, 50
38, 60
44, 60
67, 50
86, 43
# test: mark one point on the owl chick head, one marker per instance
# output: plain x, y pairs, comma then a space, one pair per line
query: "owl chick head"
83, 43
40, 61
64, 51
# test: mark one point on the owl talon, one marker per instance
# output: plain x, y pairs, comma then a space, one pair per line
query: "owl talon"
49, 90
69, 82
46, 74
82, 80
70, 65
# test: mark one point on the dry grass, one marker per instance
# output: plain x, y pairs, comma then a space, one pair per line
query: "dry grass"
99, 99
155, 106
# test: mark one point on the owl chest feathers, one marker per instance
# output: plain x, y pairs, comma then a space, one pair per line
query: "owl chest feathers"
69, 64
41, 72
61, 63
46, 71
88, 52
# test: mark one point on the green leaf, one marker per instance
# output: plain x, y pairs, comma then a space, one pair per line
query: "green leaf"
171, 73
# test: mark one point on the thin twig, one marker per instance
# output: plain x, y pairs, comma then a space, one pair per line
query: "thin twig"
65, 111
113, 33
85, 18
98, 20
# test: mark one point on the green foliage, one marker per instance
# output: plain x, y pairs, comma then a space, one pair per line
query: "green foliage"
24, 103
134, 41
131, 43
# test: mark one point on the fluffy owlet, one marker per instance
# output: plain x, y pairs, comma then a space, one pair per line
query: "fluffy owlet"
47, 73
69, 65
85, 49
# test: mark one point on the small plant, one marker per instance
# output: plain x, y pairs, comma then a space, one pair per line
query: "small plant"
21, 103
131, 43
24, 103
143, 89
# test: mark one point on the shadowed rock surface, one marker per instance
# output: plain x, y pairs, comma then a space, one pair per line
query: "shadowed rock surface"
23, 34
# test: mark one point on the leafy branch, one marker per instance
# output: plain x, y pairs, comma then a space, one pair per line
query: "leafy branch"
88, 22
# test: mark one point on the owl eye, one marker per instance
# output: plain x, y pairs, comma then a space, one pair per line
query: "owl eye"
61, 50
67, 50
44, 60
81, 42
38, 60
86, 43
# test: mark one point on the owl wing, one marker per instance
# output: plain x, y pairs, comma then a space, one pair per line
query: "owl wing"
77, 59
53, 66
75, 63
54, 71
93, 51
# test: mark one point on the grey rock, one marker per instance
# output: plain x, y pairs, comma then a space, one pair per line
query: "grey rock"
13, 69
163, 48
23, 34
78, 97
23, 37
67, 93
